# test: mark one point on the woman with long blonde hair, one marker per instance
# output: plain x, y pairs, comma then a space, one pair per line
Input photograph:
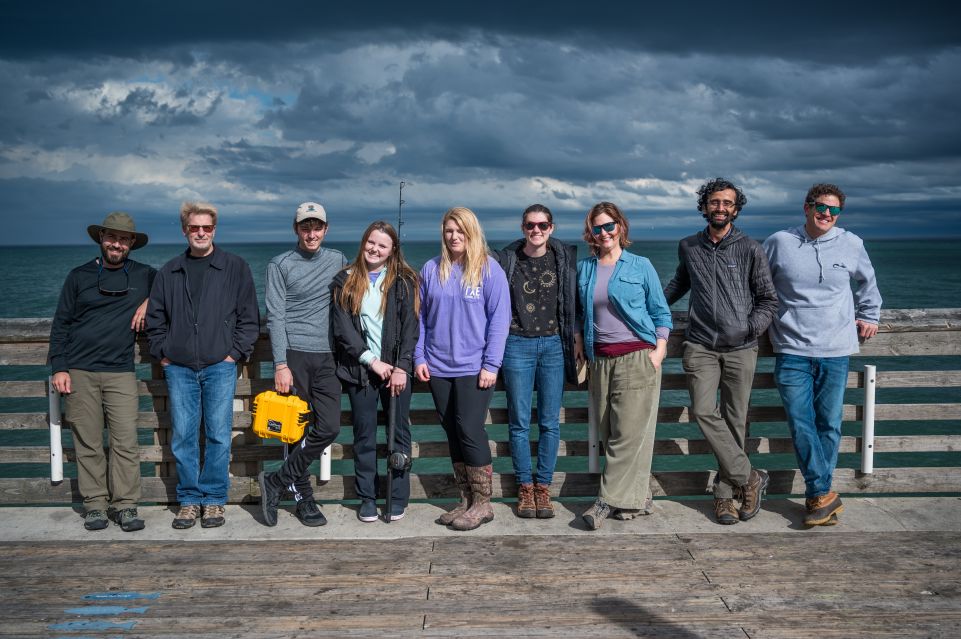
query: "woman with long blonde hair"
374, 325
465, 316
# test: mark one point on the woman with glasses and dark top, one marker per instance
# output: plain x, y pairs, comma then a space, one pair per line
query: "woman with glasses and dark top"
374, 324
542, 273
465, 315
626, 323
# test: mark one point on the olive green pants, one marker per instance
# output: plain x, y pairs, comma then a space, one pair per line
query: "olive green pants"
624, 394
110, 399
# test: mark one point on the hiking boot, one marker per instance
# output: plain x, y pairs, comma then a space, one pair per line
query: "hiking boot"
596, 514
752, 493
627, 514
126, 518
542, 501
725, 512
308, 512
213, 516
820, 509
525, 501
95, 520
367, 511
186, 516
270, 494
481, 487
460, 477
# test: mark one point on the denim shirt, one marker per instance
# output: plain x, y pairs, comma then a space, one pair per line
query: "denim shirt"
635, 293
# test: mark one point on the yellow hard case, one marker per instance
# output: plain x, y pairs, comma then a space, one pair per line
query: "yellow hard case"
282, 417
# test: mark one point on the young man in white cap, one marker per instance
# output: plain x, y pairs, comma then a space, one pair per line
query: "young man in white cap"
101, 308
298, 320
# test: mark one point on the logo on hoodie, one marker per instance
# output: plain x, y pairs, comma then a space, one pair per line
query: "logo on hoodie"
841, 266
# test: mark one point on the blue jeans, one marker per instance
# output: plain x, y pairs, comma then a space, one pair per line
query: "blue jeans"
529, 363
812, 391
208, 392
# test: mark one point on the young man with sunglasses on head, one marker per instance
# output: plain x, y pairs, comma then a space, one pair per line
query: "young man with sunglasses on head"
298, 319
101, 308
542, 272
732, 303
202, 319
818, 328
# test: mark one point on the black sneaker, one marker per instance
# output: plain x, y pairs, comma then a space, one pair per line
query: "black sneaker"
213, 516
367, 511
95, 520
309, 513
397, 511
269, 497
126, 518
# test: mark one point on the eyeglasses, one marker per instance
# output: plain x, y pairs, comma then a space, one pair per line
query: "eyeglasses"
194, 228
609, 227
530, 226
111, 292
721, 204
821, 208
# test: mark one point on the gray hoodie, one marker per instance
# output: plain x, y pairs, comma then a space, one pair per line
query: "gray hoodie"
813, 282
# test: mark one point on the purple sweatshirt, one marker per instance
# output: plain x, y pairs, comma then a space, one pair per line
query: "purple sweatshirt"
462, 329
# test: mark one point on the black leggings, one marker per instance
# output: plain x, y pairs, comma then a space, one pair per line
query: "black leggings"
462, 408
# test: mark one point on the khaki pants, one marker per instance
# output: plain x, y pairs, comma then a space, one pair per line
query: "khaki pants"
98, 399
624, 394
724, 422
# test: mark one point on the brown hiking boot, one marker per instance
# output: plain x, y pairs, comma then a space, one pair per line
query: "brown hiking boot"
725, 511
542, 501
820, 509
525, 501
480, 511
460, 477
752, 493
186, 516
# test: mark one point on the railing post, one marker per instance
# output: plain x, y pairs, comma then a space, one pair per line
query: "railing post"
54, 421
867, 434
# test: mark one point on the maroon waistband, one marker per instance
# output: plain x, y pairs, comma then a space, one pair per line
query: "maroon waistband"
621, 348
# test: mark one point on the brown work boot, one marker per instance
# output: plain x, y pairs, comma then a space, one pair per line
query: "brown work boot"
752, 493
460, 476
525, 501
542, 501
480, 511
820, 509
725, 511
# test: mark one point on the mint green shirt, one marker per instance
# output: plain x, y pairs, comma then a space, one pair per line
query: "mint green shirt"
371, 320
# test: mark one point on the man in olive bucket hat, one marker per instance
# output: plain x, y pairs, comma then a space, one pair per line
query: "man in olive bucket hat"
102, 307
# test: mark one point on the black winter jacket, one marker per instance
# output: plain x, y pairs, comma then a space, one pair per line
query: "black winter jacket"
400, 332
732, 295
566, 263
228, 321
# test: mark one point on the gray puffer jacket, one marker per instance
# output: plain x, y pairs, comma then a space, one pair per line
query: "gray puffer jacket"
732, 296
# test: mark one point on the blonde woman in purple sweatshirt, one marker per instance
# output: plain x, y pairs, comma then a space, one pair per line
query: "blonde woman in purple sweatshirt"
464, 322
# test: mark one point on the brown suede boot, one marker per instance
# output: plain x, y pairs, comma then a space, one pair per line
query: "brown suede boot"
480, 511
542, 501
525, 501
460, 476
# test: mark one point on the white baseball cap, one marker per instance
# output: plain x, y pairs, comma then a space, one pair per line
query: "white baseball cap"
309, 210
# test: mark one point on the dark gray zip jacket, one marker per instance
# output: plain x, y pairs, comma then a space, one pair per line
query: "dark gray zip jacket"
400, 332
566, 263
228, 321
732, 296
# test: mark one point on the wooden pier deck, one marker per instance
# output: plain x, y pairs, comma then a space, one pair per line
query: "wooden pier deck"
849, 584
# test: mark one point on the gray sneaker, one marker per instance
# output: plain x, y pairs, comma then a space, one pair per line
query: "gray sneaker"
127, 519
95, 520
596, 514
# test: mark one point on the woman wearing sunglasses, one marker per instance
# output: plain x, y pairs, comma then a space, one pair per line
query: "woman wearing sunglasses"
542, 273
626, 323
465, 314
374, 323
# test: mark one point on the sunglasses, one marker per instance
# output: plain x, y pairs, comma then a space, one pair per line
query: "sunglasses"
609, 227
194, 228
112, 292
821, 208
544, 226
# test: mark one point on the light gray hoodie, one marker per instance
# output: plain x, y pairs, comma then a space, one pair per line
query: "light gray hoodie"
813, 283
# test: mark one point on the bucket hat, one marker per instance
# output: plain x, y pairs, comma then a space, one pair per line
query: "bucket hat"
118, 221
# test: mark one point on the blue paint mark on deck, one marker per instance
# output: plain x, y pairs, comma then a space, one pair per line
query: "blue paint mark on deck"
112, 596
77, 626
105, 610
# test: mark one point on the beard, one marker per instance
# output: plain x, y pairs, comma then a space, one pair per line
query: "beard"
720, 224
113, 260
